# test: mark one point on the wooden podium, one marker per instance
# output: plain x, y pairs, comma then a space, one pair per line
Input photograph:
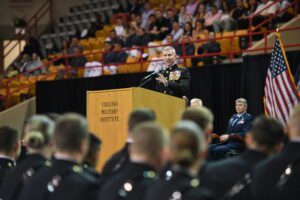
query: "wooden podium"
108, 112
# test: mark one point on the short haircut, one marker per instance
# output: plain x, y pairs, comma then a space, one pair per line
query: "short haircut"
9, 137
169, 48
267, 131
140, 115
70, 132
149, 139
188, 140
39, 131
202, 116
242, 100
94, 148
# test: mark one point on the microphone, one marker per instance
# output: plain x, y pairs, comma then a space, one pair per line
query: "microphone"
151, 75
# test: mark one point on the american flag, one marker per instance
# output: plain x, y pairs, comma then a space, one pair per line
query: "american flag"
281, 94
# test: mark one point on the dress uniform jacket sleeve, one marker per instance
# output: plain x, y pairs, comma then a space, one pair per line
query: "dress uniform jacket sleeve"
241, 130
183, 85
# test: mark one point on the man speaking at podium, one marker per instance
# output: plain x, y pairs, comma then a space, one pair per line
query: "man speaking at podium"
174, 80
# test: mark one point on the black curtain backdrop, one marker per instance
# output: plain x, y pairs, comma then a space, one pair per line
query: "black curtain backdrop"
218, 86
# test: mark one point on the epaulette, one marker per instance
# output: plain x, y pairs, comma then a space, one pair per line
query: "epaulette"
28, 174
8, 165
177, 195
56, 180
130, 184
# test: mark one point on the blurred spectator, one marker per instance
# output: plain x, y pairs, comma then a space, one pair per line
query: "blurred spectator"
225, 22
96, 26
75, 44
161, 27
191, 7
183, 17
146, 13
211, 46
34, 63
173, 5
120, 28
151, 22
212, 16
78, 60
142, 38
120, 55
136, 22
176, 32
196, 103
288, 14
108, 55
239, 14
188, 28
129, 41
21, 64
171, 16
200, 14
112, 37
199, 31
262, 13
185, 46
33, 46
135, 7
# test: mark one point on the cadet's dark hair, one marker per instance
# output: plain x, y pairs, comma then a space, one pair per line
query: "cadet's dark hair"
40, 131
8, 138
140, 115
267, 131
201, 116
94, 147
70, 131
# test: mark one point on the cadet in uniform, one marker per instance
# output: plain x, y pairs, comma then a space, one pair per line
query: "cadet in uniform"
174, 80
187, 155
278, 177
237, 128
147, 155
39, 148
231, 178
121, 158
66, 179
9, 149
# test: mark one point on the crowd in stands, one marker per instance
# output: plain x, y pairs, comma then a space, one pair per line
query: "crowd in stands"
55, 157
177, 23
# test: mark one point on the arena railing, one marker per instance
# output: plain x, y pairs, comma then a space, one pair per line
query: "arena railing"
270, 17
67, 71
30, 28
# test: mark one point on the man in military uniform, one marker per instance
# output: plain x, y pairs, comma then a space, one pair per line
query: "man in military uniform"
187, 155
231, 178
121, 158
66, 179
174, 80
147, 155
9, 149
278, 178
233, 140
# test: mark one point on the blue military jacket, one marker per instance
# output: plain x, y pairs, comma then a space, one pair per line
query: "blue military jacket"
239, 124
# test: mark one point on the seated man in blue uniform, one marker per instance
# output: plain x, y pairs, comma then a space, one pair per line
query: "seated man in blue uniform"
239, 124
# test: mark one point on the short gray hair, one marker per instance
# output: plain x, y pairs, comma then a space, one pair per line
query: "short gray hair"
242, 100
169, 48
